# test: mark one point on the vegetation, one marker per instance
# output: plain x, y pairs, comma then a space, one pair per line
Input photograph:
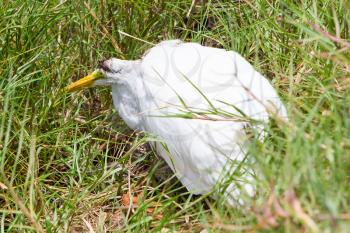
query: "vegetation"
69, 164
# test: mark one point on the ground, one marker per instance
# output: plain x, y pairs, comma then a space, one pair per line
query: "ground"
68, 163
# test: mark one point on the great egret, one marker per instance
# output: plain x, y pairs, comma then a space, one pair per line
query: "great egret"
197, 101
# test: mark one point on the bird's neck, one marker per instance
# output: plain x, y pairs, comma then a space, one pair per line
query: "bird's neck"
126, 99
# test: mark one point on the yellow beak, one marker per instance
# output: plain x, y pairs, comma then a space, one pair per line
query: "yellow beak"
85, 82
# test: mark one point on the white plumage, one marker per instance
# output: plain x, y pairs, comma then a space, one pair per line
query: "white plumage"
155, 93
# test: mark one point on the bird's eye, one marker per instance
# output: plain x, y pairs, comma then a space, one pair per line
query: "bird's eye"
103, 66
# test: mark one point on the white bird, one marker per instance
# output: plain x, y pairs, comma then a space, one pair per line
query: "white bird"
197, 102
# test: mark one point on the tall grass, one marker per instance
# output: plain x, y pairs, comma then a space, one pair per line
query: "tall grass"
67, 161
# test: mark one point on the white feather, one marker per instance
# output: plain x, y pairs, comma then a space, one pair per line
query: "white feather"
199, 151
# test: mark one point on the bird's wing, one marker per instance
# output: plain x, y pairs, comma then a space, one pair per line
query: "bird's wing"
186, 77
199, 77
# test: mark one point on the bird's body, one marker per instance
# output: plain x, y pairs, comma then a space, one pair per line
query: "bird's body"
195, 101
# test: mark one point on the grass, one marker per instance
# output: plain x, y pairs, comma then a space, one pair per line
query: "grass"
68, 163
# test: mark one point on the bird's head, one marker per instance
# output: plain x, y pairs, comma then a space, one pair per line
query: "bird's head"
109, 72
